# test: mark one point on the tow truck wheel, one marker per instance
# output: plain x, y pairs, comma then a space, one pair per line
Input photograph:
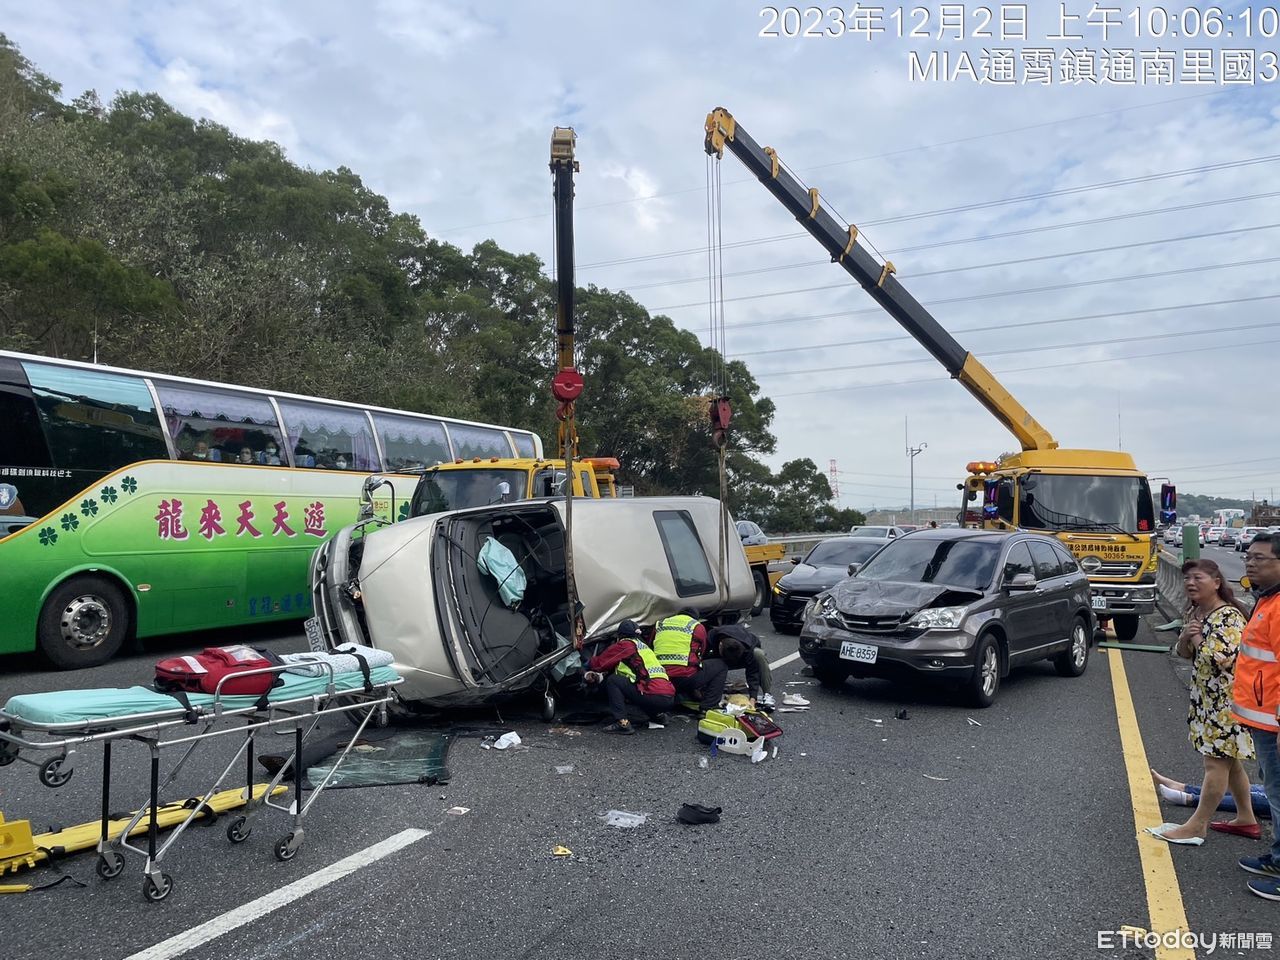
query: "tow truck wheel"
1126, 626
762, 592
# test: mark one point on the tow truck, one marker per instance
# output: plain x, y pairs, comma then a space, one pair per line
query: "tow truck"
1096, 502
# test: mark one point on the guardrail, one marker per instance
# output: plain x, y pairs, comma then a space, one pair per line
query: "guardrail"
798, 544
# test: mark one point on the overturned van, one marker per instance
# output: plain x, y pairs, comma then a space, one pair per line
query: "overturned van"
474, 604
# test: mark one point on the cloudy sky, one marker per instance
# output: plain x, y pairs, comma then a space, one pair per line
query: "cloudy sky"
1107, 248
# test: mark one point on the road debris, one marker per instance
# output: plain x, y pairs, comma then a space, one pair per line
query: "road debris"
696, 813
506, 741
939, 779
458, 811
973, 722
564, 731
623, 818
564, 769
901, 714
561, 852
873, 719
703, 763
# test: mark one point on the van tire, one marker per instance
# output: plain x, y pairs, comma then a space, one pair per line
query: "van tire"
83, 623
762, 592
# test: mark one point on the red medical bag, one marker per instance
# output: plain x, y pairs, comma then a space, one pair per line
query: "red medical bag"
202, 672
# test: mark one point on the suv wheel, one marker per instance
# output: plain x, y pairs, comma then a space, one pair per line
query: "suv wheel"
985, 682
1072, 661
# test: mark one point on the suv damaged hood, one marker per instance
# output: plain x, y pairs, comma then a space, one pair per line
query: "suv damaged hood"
887, 598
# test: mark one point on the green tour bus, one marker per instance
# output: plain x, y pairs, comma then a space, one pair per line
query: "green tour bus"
139, 504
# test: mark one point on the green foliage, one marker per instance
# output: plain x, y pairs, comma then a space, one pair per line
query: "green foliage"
176, 245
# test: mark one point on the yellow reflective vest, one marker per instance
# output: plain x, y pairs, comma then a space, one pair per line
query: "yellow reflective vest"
673, 641
653, 668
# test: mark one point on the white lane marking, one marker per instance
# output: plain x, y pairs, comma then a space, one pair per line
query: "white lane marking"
179, 944
775, 664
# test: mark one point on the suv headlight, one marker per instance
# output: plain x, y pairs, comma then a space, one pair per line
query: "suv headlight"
823, 605
949, 617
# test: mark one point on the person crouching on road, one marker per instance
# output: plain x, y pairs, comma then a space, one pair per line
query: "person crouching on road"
681, 645
1215, 622
740, 649
1256, 696
631, 674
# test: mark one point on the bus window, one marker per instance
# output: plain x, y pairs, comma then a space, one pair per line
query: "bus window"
219, 425
409, 443
95, 420
524, 444
24, 444
331, 438
470, 441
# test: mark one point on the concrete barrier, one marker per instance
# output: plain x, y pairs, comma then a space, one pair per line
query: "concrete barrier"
1169, 584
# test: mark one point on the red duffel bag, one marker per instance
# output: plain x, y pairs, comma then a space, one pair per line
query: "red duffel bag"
202, 672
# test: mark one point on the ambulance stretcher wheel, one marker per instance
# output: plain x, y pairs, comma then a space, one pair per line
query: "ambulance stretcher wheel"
285, 852
237, 831
157, 893
109, 865
52, 774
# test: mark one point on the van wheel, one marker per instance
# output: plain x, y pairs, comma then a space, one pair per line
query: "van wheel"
762, 592
985, 682
1126, 627
1072, 661
83, 623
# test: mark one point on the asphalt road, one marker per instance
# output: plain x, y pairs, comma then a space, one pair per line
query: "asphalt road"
867, 836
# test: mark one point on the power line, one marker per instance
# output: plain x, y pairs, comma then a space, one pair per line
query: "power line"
983, 296
1040, 348
983, 266
1214, 466
1050, 366
895, 338
875, 156
1025, 231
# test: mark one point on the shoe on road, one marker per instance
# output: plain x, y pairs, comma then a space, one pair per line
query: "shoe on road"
1263, 866
620, 726
1251, 831
1267, 889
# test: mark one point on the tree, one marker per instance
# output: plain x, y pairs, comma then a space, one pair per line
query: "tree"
801, 491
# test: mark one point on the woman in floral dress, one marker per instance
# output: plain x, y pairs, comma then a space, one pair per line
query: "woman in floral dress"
1214, 623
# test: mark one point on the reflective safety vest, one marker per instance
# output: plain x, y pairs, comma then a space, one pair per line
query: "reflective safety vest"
1255, 696
673, 641
649, 664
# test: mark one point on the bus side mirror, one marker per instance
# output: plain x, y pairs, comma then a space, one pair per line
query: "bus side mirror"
371, 483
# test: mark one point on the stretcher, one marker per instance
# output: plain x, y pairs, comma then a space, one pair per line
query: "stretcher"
54, 730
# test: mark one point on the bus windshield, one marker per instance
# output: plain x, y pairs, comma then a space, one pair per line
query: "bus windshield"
441, 490
1099, 504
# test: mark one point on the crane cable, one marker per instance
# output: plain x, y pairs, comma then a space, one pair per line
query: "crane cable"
717, 343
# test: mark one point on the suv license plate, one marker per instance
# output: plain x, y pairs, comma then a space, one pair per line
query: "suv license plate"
315, 636
861, 652
1099, 603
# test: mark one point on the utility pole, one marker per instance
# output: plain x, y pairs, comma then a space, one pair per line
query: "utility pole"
912, 453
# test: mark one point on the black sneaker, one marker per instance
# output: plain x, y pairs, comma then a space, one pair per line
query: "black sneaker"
1263, 866
620, 726
662, 718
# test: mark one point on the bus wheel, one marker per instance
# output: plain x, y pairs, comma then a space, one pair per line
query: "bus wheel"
1126, 627
83, 623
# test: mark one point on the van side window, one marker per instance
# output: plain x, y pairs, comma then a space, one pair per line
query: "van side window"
685, 555
95, 420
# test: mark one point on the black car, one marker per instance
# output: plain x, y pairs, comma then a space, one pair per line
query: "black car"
822, 568
959, 605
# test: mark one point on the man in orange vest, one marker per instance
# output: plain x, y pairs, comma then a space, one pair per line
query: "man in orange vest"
1255, 696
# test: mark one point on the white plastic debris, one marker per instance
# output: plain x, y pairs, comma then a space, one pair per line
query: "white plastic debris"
702, 763
566, 768
939, 779
973, 722
511, 739
759, 756
458, 811
623, 818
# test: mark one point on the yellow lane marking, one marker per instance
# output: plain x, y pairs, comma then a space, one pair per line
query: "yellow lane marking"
1164, 897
